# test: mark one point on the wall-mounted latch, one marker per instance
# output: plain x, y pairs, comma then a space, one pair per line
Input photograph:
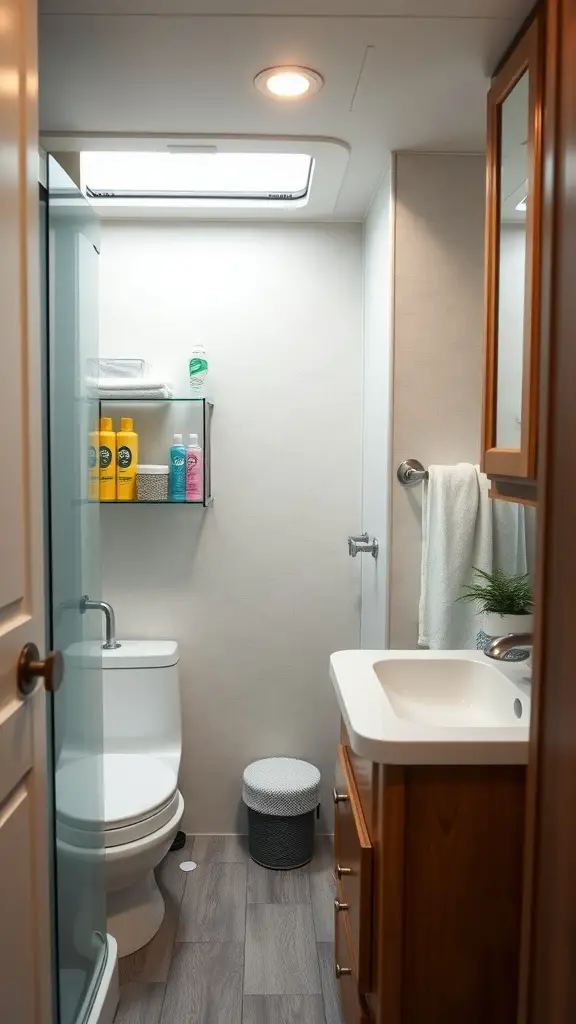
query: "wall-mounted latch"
362, 545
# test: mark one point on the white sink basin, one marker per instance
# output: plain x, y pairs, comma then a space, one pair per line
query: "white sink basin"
433, 707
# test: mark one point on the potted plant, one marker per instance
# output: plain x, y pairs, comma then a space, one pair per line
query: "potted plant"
505, 602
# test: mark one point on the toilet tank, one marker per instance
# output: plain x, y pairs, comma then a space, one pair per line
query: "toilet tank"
142, 700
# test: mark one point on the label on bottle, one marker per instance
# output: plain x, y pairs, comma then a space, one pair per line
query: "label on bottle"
197, 365
92, 457
124, 457
105, 457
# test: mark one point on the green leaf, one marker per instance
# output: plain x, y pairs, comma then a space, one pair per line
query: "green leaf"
500, 593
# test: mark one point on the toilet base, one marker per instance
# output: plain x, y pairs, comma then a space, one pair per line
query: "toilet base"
135, 914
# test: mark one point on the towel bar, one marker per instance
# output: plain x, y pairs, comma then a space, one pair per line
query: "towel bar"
411, 473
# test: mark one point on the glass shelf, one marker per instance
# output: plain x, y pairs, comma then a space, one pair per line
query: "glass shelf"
159, 501
156, 433
156, 401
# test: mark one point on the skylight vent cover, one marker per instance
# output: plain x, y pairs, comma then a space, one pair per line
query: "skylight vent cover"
196, 176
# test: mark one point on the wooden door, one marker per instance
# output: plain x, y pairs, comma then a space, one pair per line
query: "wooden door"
548, 982
25, 970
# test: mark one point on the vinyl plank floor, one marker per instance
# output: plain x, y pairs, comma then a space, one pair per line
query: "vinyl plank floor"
283, 1010
169, 875
266, 886
152, 962
222, 849
323, 889
329, 984
205, 984
214, 905
140, 1004
281, 956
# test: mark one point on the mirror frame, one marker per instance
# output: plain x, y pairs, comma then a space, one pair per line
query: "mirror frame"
515, 463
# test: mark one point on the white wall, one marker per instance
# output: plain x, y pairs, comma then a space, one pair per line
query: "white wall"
259, 589
377, 418
438, 345
511, 292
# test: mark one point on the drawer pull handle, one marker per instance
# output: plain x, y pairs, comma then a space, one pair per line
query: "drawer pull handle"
340, 798
340, 871
340, 906
342, 972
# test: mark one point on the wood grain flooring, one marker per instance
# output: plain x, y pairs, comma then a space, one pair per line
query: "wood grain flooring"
329, 983
214, 904
281, 957
266, 886
283, 1010
323, 889
239, 944
140, 1004
205, 984
221, 849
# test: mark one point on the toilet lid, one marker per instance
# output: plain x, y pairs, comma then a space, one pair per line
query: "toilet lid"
134, 788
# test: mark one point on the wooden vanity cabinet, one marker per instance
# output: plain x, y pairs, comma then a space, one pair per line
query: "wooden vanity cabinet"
514, 268
428, 861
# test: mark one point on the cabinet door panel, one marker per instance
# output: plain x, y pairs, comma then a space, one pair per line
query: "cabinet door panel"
352, 1006
353, 851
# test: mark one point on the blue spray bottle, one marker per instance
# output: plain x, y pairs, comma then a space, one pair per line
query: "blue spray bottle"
177, 470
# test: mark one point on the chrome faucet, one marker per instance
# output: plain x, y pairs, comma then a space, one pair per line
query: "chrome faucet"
498, 647
86, 604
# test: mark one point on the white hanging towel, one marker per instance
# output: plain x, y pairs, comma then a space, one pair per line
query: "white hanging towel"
462, 529
455, 536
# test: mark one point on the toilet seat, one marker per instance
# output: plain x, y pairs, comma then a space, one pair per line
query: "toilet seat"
140, 796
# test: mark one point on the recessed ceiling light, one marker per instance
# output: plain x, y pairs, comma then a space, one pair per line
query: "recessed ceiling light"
288, 83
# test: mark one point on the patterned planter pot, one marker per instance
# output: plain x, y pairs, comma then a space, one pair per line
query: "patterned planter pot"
494, 625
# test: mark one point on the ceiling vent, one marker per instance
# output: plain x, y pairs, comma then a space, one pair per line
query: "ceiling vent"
208, 176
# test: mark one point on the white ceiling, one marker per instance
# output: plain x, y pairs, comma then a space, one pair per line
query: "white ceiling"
399, 74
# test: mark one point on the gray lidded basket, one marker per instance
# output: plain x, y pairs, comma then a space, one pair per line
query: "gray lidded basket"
282, 795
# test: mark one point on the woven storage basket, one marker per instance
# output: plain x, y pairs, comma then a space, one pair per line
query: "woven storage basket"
282, 795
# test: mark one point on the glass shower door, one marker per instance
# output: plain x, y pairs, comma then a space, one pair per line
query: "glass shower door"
71, 252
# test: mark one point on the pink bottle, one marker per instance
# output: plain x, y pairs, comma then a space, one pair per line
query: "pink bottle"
194, 470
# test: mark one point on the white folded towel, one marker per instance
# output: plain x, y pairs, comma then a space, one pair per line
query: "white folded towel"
134, 394
128, 388
462, 529
127, 383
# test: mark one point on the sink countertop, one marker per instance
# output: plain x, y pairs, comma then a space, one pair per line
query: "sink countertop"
377, 732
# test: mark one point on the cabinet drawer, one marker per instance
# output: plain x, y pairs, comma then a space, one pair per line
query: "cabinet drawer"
352, 1006
353, 856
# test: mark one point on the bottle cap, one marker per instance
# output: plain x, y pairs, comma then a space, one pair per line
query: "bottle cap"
126, 423
194, 440
106, 423
177, 438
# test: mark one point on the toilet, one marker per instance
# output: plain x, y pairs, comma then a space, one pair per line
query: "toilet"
132, 821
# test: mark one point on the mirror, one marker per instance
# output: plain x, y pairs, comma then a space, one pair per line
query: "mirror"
514, 199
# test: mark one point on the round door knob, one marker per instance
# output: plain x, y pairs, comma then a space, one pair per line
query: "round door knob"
342, 972
341, 872
340, 906
30, 668
339, 798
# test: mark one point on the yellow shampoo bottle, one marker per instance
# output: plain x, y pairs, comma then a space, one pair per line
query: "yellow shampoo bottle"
93, 464
127, 457
107, 460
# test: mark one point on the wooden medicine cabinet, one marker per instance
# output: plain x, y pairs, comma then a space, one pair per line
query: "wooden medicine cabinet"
513, 268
